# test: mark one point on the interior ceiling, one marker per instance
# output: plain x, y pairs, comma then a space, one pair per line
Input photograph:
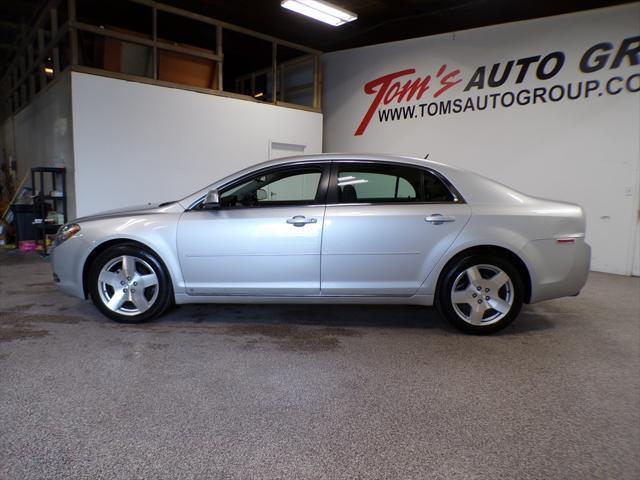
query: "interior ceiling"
382, 20
378, 20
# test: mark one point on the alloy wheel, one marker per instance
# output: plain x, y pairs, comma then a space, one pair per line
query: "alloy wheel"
128, 285
482, 294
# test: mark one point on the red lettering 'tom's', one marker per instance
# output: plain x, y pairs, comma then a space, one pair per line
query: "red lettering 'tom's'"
386, 90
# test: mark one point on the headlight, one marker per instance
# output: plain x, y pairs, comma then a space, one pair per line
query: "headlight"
66, 232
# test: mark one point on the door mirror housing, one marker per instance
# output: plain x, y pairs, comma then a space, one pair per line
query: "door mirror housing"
212, 199
261, 194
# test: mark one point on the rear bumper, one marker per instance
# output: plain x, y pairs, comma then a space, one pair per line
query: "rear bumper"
557, 270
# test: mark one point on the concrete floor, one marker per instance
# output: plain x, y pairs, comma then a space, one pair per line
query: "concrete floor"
297, 392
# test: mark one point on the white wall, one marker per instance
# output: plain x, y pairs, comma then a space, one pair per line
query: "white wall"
585, 150
43, 136
136, 143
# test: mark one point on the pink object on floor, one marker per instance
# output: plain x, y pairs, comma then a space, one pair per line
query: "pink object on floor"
27, 246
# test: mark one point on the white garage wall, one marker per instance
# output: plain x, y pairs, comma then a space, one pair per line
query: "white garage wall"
585, 150
42, 135
136, 143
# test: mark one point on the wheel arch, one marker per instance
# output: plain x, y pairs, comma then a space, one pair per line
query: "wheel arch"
503, 252
111, 243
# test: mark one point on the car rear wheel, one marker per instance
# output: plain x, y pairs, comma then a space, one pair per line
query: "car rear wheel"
129, 284
480, 294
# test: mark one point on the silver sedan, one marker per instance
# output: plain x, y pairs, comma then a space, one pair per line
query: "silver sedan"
367, 229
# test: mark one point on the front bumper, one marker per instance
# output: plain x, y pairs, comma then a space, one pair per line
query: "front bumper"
67, 261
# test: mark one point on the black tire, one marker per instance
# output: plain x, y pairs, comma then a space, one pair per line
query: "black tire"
455, 273
144, 261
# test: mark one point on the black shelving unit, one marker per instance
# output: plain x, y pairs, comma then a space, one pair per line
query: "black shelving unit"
42, 201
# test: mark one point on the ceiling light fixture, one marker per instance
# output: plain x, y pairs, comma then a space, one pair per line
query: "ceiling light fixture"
319, 10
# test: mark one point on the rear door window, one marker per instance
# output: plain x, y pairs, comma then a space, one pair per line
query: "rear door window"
385, 183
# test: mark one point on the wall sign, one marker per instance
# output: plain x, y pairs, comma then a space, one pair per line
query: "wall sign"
408, 94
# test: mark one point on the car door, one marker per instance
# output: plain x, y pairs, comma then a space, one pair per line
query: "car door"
386, 226
263, 239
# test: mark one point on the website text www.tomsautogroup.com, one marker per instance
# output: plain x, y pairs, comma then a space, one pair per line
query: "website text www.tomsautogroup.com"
615, 85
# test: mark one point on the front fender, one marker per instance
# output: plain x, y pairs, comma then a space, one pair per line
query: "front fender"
156, 232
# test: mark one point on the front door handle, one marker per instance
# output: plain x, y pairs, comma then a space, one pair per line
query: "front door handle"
438, 219
301, 220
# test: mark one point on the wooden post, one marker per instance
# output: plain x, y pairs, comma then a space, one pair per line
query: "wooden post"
31, 92
23, 95
23, 86
53, 19
317, 82
154, 33
73, 32
30, 57
274, 71
220, 54
32, 86
14, 85
54, 32
41, 65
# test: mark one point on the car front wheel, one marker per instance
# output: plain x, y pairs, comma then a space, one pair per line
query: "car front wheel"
129, 284
480, 294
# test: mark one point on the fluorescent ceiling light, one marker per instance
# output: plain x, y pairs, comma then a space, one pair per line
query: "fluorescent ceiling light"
319, 10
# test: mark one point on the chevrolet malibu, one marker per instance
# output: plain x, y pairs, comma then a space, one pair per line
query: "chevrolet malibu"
365, 229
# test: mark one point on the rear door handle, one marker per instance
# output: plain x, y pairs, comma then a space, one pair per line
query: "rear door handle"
301, 220
438, 219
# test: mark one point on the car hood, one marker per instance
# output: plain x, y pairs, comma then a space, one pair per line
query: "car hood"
149, 208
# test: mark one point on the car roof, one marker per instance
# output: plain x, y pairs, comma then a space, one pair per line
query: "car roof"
331, 157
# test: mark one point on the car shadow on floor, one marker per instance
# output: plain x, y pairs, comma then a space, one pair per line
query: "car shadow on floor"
344, 316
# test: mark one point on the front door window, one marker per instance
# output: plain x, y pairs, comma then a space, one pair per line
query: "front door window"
287, 187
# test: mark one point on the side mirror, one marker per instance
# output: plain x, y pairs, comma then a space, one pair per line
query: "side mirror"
261, 194
212, 199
